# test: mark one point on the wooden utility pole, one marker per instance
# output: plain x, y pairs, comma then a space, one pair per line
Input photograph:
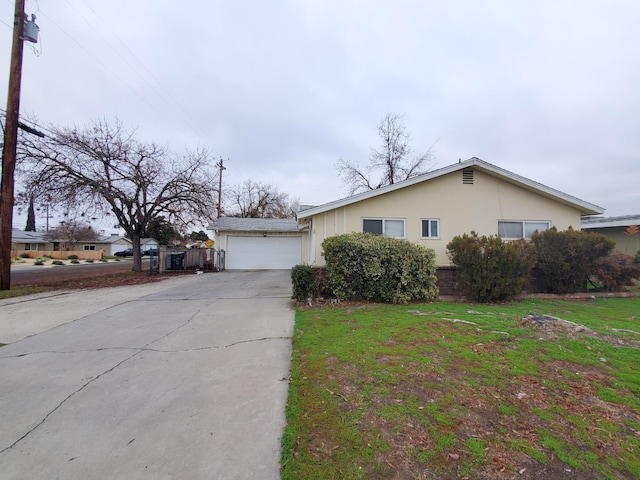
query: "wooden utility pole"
221, 167
10, 146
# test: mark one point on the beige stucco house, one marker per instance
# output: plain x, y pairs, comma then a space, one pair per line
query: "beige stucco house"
433, 208
620, 229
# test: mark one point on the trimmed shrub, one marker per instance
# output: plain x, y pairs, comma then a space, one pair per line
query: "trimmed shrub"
38, 262
26, 255
616, 270
379, 269
57, 262
74, 261
89, 261
567, 258
303, 278
491, 270
72, 257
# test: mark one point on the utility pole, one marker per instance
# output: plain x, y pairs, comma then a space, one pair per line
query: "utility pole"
10, 146
221, 167
23, 29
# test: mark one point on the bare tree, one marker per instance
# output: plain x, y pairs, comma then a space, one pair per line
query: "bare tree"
71, 232
258, 200
391, 163
103, 168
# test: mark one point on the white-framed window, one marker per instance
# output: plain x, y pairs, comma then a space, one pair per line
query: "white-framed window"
515, 229
389, 227
89, 247
430, 228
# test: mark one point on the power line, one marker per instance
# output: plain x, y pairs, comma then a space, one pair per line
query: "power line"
110, 71
141, 63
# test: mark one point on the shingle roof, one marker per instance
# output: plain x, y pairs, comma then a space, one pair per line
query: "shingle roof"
234, 224
20, 236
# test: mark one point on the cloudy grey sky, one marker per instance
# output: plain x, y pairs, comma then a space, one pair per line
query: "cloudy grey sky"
546, 89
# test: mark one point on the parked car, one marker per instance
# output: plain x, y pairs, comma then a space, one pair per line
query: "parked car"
150, 251
125, 253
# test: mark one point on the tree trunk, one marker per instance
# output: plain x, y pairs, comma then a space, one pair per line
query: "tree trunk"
137, 255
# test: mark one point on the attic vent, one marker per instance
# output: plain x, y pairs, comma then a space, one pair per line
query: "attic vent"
467, 176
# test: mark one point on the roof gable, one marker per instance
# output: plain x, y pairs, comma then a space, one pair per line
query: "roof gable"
585, 208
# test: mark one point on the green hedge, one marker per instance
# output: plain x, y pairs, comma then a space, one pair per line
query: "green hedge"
567, 258
491, 270
379, 269
303, 279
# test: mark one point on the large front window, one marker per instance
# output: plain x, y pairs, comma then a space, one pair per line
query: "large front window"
510, 229
389, 227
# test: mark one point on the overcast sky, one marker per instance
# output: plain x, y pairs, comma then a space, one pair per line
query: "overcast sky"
546, 89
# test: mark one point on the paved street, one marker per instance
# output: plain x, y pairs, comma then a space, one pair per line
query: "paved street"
183, 379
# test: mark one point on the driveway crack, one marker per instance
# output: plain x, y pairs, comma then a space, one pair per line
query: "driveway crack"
74, 393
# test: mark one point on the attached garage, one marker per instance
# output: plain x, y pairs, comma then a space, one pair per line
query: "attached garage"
263, 253
259, 243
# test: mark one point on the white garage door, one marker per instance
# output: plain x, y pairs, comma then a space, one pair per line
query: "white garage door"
263, 253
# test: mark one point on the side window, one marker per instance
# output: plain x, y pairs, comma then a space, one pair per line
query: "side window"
389, 227
520, 229
430, 228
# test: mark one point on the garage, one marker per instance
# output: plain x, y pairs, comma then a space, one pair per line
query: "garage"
263, 253
259, 243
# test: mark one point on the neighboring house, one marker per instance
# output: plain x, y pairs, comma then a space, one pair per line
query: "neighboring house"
148, 244
258, 243
617, 228
30, 241
431, 209
110, 244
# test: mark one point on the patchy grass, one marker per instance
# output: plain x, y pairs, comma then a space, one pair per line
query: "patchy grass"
451, 390
21, 291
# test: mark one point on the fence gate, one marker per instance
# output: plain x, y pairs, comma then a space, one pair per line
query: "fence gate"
185, 259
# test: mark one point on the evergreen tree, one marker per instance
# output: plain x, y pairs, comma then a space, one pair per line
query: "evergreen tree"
31, 217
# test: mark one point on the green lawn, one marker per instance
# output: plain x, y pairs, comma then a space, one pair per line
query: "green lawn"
452, 390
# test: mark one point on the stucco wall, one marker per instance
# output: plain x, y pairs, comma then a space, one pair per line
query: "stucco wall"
460, 208
624, 243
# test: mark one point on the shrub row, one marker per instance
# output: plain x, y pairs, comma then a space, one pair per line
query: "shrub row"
494, 270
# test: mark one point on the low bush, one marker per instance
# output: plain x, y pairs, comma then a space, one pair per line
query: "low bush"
615, 271
58, 262
72, 257
38, 262
75, 261
89, 261
379, 269
303, 278
567, 258
636, 258
24, 255
491, 270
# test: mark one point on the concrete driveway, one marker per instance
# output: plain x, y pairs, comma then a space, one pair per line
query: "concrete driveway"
182, 379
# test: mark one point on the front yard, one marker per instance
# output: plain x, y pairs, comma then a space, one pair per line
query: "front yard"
452, 390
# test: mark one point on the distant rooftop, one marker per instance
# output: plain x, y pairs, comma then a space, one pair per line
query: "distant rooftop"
236, 224
607, 222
